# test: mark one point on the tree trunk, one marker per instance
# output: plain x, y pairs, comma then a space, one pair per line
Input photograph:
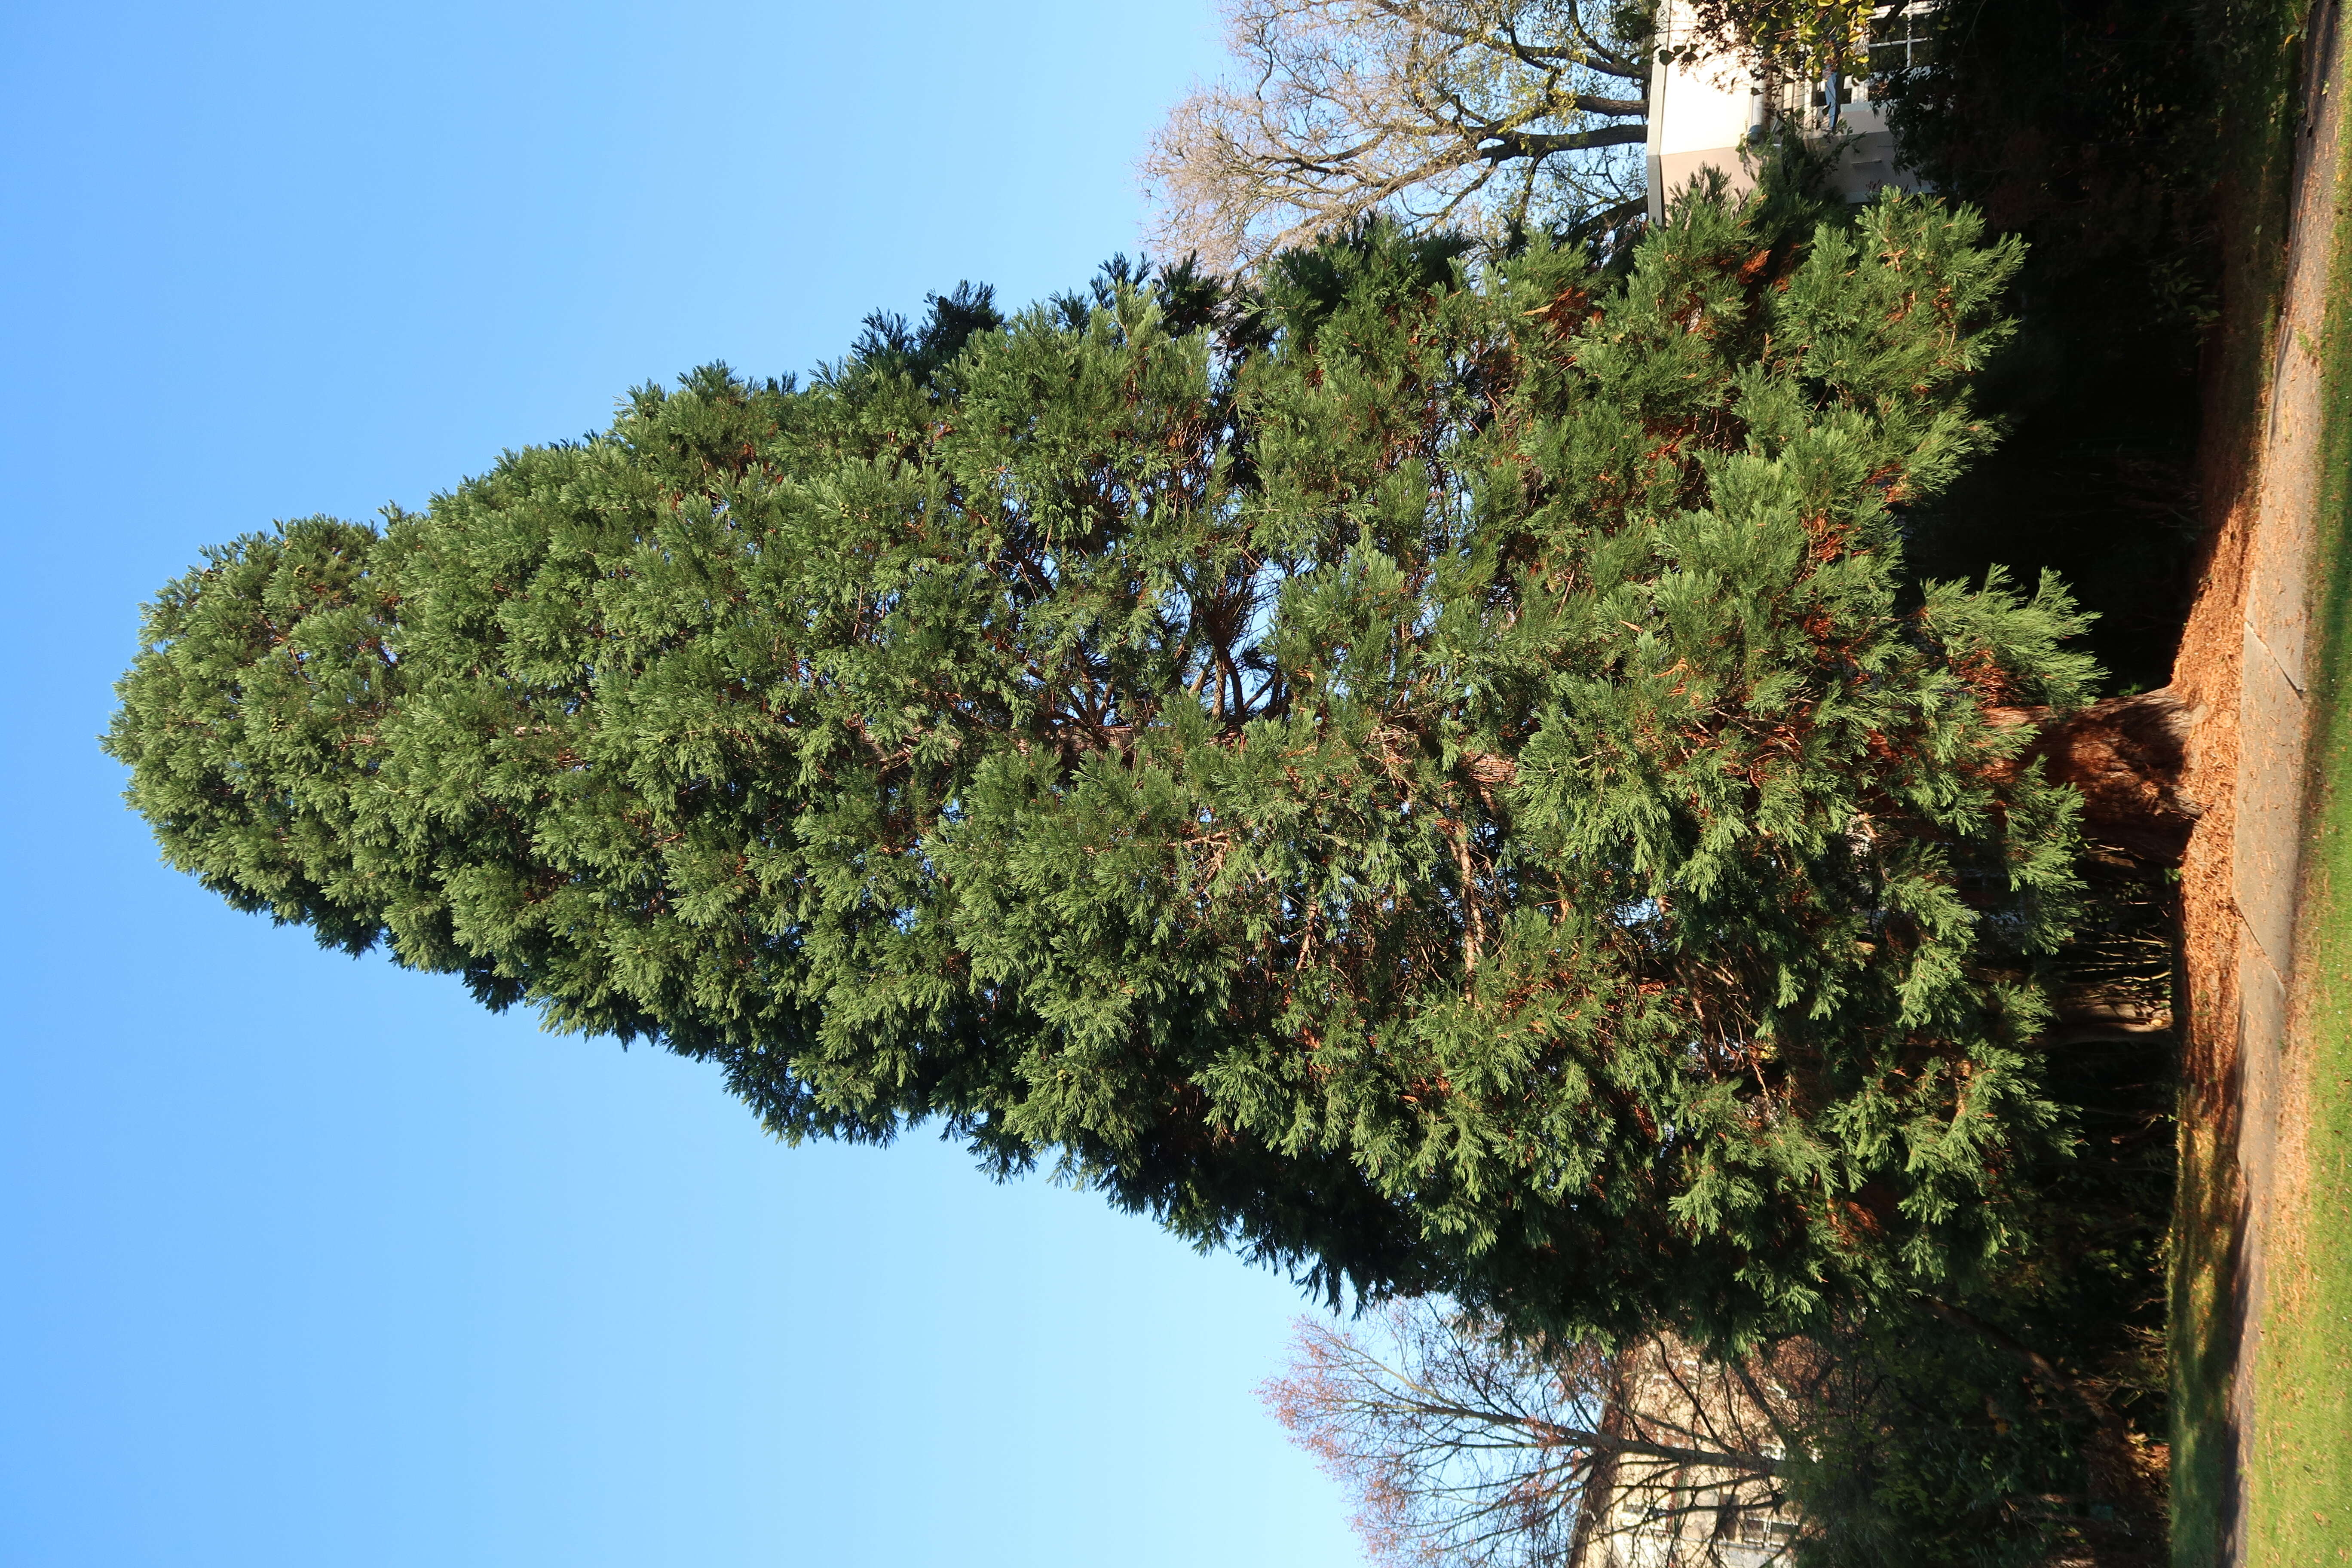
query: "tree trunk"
2126, 757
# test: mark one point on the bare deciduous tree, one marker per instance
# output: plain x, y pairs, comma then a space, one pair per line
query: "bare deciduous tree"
1462, 1447
1480, 113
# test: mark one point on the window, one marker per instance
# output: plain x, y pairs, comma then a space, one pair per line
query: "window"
1902, 37
1766, 1527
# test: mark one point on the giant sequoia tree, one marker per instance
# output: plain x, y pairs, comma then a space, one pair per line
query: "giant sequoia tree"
1437, 781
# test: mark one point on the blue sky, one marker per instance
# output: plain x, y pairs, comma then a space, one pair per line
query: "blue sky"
307, 1261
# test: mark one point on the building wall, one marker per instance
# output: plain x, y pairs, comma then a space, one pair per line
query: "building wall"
1703, 111
1700, 114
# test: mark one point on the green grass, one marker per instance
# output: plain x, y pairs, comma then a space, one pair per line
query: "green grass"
2202, 1329
2299, 1474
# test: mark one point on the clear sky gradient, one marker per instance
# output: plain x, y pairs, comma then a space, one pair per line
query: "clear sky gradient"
306, 1261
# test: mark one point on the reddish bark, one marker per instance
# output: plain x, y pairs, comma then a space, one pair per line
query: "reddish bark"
2126, 756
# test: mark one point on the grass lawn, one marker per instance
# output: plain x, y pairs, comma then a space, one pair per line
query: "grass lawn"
2299, 1474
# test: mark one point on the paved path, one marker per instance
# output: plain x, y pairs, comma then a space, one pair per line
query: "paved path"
2246, 872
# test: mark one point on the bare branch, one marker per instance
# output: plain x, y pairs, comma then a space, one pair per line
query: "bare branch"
1464, 1447
1341, 109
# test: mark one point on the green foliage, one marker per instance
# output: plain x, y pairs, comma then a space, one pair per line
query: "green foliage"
1439, 783
1795, 35
1924, 1445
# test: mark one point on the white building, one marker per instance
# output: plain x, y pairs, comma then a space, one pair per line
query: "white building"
1703, 111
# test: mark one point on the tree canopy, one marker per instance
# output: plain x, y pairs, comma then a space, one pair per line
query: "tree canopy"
1879, 1435
1437, 780
1802, 37
1495, 117
1470, 113
1462, 1446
